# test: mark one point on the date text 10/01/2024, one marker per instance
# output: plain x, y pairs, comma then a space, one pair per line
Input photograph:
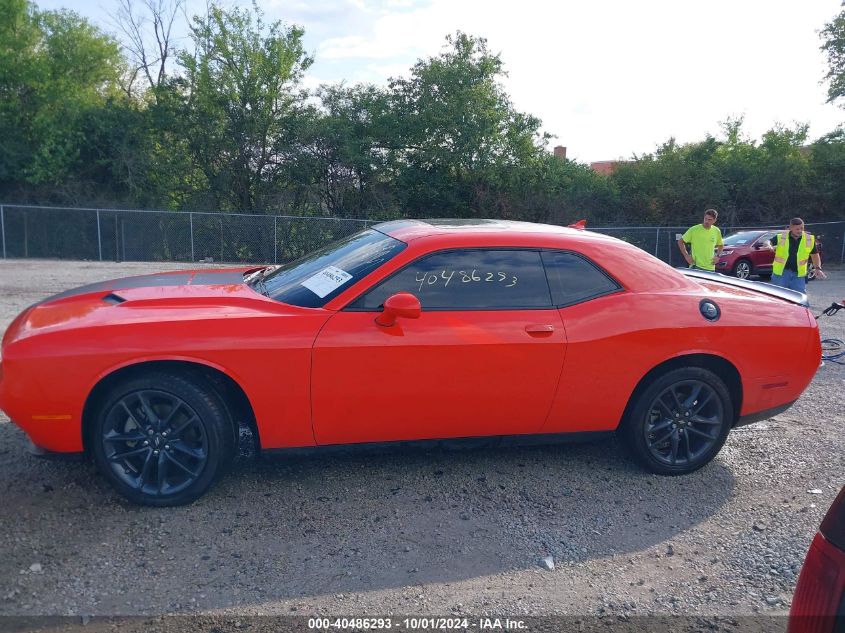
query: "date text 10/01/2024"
431, 279
416, 624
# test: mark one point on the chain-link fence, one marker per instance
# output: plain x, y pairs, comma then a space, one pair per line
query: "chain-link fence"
122, 235
139, 235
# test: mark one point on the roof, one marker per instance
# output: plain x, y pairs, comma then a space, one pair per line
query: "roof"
407, 230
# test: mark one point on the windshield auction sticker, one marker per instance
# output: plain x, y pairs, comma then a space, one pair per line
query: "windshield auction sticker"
326, 281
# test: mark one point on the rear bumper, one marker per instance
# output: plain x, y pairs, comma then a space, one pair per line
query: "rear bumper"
751, 418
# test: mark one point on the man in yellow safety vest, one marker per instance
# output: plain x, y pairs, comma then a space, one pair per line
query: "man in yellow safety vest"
793, 248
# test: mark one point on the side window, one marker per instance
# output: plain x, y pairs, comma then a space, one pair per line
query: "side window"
468, 280
574, 279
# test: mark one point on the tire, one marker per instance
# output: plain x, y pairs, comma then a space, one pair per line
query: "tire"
742, 269
647, 430
162, 439
811, 271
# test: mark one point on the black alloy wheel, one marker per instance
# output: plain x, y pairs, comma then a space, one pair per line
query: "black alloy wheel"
679, 422
154, 441
742, 269
683, 423
162, 439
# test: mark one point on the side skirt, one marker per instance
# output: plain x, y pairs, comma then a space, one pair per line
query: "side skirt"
462, 443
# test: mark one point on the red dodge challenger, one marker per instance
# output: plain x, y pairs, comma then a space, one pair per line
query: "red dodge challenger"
410, 330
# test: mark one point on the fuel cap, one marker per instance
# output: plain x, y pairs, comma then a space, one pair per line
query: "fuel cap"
709, 310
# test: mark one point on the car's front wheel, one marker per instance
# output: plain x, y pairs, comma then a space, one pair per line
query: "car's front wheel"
742, 269
162, 439
679, 422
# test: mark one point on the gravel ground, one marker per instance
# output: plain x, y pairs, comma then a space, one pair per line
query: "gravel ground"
426, 532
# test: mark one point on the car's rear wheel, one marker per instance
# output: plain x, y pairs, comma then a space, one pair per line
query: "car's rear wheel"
811, 271
162, 439
742, 269
679, 422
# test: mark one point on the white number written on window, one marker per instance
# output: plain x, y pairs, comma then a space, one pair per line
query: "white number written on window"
445, 277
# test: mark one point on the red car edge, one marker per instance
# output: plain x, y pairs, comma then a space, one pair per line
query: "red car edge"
819, 602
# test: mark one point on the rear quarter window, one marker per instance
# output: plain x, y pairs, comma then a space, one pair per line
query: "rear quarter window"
574, 279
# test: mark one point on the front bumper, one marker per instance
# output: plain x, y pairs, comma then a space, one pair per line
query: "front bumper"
54, 427
43, 453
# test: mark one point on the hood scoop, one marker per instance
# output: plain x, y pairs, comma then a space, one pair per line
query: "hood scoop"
225, 277
113, 299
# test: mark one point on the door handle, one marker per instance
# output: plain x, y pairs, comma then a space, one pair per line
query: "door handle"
539, 328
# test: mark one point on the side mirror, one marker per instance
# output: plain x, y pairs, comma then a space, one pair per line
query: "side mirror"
402, 304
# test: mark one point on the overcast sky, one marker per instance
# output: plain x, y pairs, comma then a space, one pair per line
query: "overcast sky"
608, 78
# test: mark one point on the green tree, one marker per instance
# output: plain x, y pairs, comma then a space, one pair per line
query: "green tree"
455, 125
833, 35
827, 177
19, 71
671, 186
349, 150
55, 67
236, 101
549, 190
748, 183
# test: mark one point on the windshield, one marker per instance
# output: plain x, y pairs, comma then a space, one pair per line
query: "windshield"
312, 281
741, 239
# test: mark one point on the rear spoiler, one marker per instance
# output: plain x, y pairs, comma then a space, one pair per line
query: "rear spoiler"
793, 296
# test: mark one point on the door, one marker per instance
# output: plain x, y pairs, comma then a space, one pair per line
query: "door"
763, 257
484, 357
